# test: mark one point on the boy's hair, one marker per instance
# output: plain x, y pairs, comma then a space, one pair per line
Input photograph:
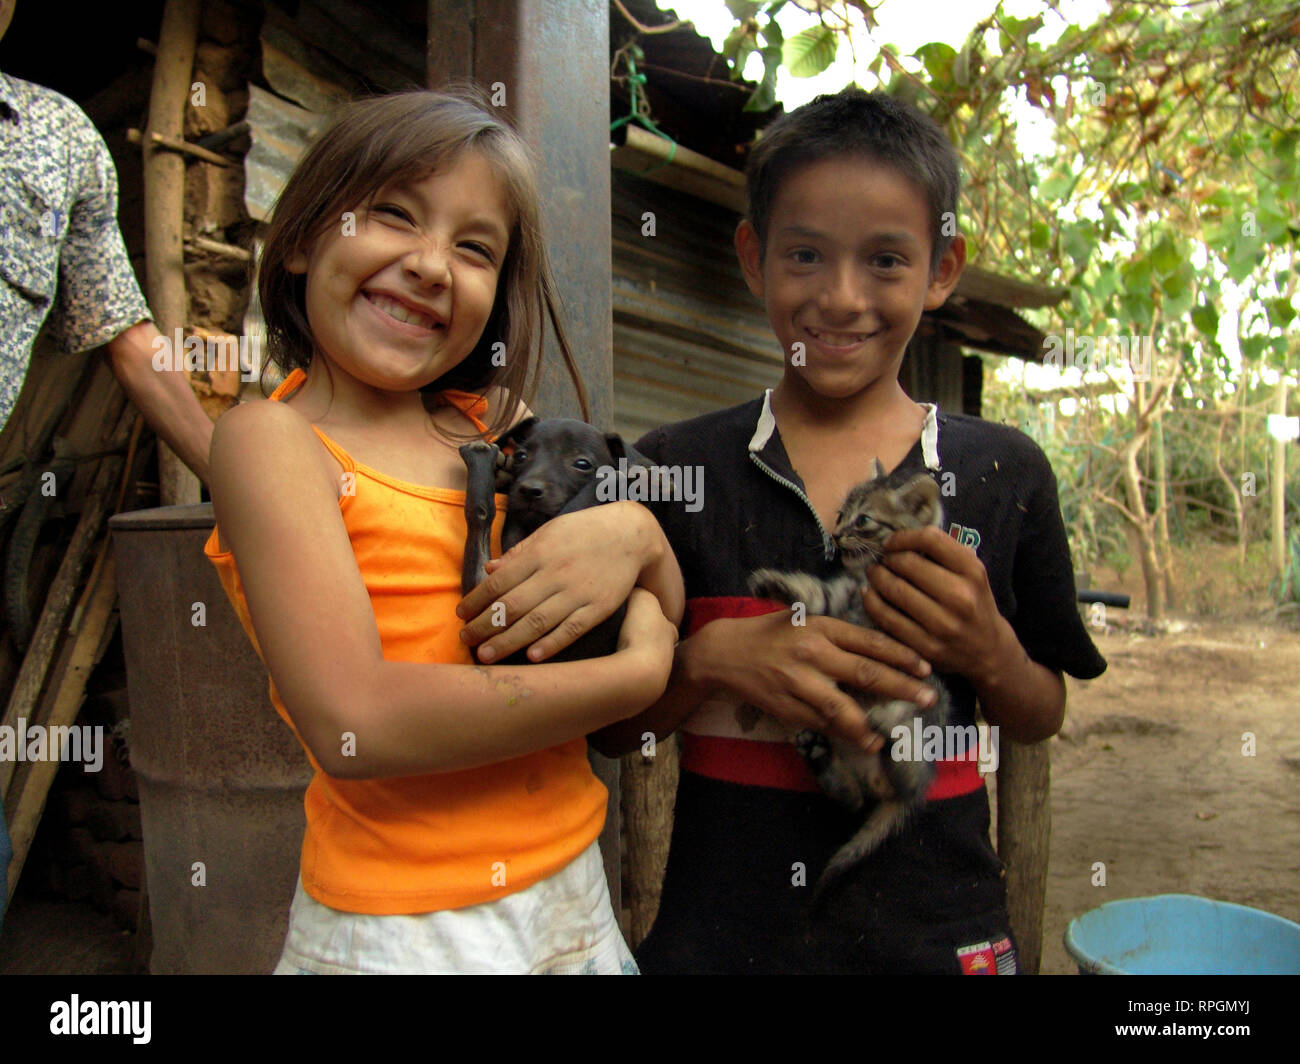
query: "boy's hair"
874, 126
405, 137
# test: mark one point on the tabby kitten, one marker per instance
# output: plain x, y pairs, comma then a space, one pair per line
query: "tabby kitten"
885, 788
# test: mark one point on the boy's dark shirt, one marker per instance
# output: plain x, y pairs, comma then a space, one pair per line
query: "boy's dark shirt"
729, 903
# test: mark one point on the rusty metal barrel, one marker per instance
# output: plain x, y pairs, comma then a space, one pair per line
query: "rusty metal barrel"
221, 778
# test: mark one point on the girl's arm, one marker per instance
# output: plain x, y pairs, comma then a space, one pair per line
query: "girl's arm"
318, 637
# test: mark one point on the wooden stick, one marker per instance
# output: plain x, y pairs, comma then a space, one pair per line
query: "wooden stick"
182, 146
127, 468
40, 654
164, 205
215, 247
62, 710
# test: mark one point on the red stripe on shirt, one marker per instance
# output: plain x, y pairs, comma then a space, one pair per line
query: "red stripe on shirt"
778, 765
700, 611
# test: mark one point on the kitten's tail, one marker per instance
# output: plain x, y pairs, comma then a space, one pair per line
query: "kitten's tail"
884, 820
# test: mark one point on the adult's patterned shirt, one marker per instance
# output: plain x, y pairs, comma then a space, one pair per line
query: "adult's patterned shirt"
61, 253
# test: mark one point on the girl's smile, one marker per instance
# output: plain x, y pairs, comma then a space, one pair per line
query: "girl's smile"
400, 290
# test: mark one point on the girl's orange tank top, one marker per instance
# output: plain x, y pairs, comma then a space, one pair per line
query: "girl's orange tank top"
424, 843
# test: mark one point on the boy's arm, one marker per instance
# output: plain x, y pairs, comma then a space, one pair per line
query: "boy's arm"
933, 594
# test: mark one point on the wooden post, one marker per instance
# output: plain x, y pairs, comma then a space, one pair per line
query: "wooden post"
545, 67
1024, 839
649, 793
164, 206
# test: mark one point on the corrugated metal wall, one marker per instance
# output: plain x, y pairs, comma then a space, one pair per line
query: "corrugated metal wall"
688, 336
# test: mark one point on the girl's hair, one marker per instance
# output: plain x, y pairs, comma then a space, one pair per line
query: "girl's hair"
404, 138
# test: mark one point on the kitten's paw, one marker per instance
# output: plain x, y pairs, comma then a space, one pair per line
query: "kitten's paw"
814, 748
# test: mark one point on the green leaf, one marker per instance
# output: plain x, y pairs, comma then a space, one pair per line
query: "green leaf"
743, 9
1178, 298
810, 51
1106, 283
764, 98
772, 33
1137, 277
1280, 312
1056, 187
1242, 260
738, 47
1206, 319
1078, 243
1285, 144
961, 66
938, 59
1040, 235
1137, 309
1165, 257
1253, 346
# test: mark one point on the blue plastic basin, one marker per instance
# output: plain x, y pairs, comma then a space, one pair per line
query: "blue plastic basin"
1181, 934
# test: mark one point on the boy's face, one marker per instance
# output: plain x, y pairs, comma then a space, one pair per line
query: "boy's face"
846, 272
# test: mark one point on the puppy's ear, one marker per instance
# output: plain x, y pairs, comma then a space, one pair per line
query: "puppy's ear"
618, 449
519, 432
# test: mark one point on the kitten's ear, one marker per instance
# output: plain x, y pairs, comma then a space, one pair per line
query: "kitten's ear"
877, 470
921, 498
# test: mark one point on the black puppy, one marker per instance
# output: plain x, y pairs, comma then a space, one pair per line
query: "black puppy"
556, 468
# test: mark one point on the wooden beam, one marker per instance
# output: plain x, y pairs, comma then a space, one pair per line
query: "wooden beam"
164, 205
87, 643
678, 168
54, 615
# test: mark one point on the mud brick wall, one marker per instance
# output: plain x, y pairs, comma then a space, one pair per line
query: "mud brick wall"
89, 844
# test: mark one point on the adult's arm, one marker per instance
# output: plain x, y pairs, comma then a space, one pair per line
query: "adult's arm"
164, 397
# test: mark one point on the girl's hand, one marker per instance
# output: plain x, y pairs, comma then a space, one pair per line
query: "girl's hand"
567, 577
646, 642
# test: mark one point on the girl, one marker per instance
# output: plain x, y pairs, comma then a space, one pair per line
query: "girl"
452, 818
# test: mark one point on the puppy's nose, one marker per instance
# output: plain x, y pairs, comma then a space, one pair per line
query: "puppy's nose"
530, 491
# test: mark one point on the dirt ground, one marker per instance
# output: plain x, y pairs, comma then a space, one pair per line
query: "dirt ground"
1150, 779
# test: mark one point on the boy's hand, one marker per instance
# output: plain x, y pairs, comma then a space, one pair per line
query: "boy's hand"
791, 672
566, 578
933, 595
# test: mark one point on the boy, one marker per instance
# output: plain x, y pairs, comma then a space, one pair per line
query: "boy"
850, 236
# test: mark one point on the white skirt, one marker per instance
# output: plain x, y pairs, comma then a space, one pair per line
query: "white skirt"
563, 925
